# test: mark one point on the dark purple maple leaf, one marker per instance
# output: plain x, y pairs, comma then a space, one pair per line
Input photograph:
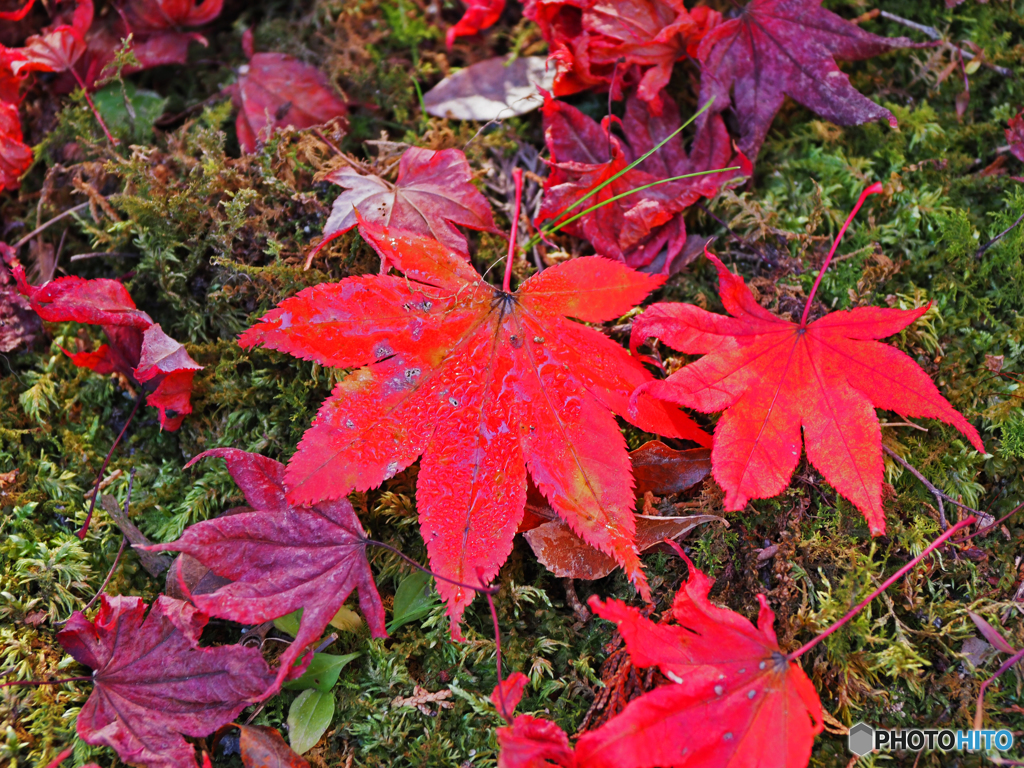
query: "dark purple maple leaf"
152, 681
281, 557
776, 48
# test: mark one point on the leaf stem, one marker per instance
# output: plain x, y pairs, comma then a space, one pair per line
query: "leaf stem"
92, 106
47, 682
52, 221
517, 176
497, 652
885, 585
439, 577
96, 491
874, 189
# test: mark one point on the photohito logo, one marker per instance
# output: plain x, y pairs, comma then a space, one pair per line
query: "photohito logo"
863, 739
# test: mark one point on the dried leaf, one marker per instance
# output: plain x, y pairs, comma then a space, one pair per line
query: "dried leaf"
263, 747
491, 89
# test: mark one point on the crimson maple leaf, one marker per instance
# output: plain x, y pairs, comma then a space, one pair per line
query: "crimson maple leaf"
772, 377
646, 229
479, 15
736, 698
776, 48
619, 44
275, 90
483, 382
138, 348
1015, 136
434, 192
281, 557
58, 47
152, 681
528, 742
15, 155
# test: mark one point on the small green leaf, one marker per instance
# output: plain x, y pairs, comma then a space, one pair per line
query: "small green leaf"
322, 672
134, 119
308, 717
289, 623
413, 600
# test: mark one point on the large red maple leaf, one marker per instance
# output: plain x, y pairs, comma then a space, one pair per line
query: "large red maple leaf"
619, 44
776, 48
138, 348
773, 376
645, 230
281, 557
735, 699
152, 681
433, 192
483, 382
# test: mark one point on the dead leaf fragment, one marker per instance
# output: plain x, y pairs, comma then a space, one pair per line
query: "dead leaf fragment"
491, 90
152, 562
421, 697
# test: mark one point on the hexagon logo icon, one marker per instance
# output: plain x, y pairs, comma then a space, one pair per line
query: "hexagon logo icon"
861, 739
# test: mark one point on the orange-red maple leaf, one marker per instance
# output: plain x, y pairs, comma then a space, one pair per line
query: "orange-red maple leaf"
772, 377
479, 15
484, 383
736, 700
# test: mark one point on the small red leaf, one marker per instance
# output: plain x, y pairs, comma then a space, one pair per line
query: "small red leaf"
15, 155
58, 47
433, 193
276, 90
736, 699
776, 48
1015, 136
991, 634
772, 377
507, 695
479, 15
532, 742
152, 681
263, 747
280, 560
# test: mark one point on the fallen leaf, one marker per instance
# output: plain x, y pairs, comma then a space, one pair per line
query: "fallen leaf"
58, 47
568, 556
8, 478
1015, 135
619, 44
482, 383
263, 747
15, 155
779, 48
152, 683
154, 564
991, 634
507, 694
275, 90
493, 89
644, 226
421, 697
138, 348
664, 471
736, 700
19, 325
772, 377
479, 15
533, 742
281, 557
433, 193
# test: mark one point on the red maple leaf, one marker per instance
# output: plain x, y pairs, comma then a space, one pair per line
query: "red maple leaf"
483, 382
645, 230
736, 698
15, 155
138, 348
275, 90
434, 192
479, 15
776, 48
58, 47
533, 742
152, 681
772, 377
619, 44
1015, 136
281, 557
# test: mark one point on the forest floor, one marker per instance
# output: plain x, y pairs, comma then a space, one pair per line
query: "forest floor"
217, 238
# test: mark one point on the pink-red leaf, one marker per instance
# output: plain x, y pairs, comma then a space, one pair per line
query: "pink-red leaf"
646, 229
276, 90
433, 193
1015, 136
152, 681
619, 44
281, 558
735, 698
479, 15
532, 742
15, 155
772, 377
507, 695
148, 16
482, 384
58, 47
779, 48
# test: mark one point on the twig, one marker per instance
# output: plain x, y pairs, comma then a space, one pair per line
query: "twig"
997, 238
46, 682
989, 528
120, 550
902, 424
885, 585
54, 220
934, 34
939, 495
96, 254
319, 134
